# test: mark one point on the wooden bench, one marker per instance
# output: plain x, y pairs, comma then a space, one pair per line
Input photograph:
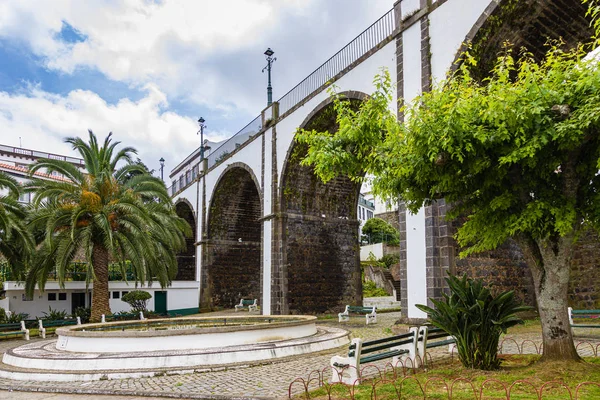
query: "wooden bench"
252, 305
369, 312
43, 325
398, 348
14, 329
429, 338
583, 314
122, 317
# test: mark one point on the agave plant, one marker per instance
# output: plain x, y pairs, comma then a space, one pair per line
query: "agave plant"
476, 319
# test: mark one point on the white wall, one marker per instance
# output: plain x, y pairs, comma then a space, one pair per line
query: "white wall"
376, 249
448, 29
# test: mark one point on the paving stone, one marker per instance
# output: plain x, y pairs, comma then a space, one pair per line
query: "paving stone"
269, 380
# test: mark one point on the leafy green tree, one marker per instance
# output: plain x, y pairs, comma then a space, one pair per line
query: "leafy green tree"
113, 211
137, 299
377, 230
516, 155
16, 242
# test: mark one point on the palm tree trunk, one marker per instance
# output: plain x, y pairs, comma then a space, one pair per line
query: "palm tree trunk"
100, 294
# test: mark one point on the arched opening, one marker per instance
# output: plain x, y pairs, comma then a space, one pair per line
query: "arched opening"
186, 259
232, 267
529, 24
321, 260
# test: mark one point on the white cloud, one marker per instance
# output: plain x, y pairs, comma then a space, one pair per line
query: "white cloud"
42, 120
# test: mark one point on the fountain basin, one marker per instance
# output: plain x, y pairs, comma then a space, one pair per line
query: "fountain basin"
182, 333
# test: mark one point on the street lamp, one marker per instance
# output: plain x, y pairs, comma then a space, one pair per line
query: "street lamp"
270, 60
201, 131
162, 167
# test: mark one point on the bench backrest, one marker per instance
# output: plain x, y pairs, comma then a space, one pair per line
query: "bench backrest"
59, 322
360, 310
587, 314
245, 302
383, 344
10, 327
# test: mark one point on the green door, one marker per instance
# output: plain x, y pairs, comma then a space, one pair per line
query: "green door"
160, 302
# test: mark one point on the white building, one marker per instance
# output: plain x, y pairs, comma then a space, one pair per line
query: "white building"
179, 298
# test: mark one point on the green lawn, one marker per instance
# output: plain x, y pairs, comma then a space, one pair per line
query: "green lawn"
446, 375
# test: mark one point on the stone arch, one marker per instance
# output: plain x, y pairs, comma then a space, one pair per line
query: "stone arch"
186, 259
320, 247
524, 23
232, 256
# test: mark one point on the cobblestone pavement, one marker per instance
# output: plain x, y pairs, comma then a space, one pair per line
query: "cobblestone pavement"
270, 380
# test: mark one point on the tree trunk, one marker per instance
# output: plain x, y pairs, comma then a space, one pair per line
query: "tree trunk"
550, 263
100, 294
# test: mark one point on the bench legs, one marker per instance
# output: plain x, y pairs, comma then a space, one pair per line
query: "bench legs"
371, 318
344, 317
345, 369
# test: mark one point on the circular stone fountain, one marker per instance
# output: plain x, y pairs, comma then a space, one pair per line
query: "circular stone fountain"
179, 345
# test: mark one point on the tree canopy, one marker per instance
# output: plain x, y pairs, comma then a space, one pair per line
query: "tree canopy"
377, 230
113, 211
516, 155
16, 242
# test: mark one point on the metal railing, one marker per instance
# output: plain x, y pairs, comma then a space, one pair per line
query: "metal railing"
369, 39
380, 31
39, 154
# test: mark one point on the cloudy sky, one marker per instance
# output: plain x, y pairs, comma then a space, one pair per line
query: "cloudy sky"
147, 69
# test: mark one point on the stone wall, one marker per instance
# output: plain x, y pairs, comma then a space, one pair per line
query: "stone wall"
584, 286
232, 259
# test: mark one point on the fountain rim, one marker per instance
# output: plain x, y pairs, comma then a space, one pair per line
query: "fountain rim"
76, 330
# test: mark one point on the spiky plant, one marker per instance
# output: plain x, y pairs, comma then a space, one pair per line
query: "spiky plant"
476, 319
115, 211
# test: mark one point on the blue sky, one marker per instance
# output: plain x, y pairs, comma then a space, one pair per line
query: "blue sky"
146, 70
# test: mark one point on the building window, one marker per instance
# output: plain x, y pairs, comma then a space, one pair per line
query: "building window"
62, 296
181, 185
116, 295
188, 176
124, 293
194, 172
51, 296
24, 197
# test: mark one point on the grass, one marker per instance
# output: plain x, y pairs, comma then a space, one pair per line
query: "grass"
445, 374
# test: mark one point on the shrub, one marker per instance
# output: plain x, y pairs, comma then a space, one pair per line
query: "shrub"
371, 290
377, 230
2, 315
53, 315
16, 317
137, 299
476, 319
84, 313
389, 259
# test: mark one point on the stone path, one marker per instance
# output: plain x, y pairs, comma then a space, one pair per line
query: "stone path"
270, 380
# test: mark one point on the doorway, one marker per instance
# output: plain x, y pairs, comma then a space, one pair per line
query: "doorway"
77, 300
160, 302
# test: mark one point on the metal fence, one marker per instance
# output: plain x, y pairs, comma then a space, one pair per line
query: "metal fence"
369, 39
379, 32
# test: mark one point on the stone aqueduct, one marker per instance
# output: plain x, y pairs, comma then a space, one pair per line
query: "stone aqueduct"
266, 228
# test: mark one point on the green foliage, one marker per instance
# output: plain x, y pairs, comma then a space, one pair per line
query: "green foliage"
376, 230
476, 319
116, 210
84, 313
14, 318
54, 315
137, 299
389, 259
16, 242
371, 290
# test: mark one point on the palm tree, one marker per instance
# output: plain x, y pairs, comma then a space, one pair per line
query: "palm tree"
114, 212
16, 242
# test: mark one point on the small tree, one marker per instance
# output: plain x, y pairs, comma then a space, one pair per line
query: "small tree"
517, 156
137, 299
376, 230
476, 319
